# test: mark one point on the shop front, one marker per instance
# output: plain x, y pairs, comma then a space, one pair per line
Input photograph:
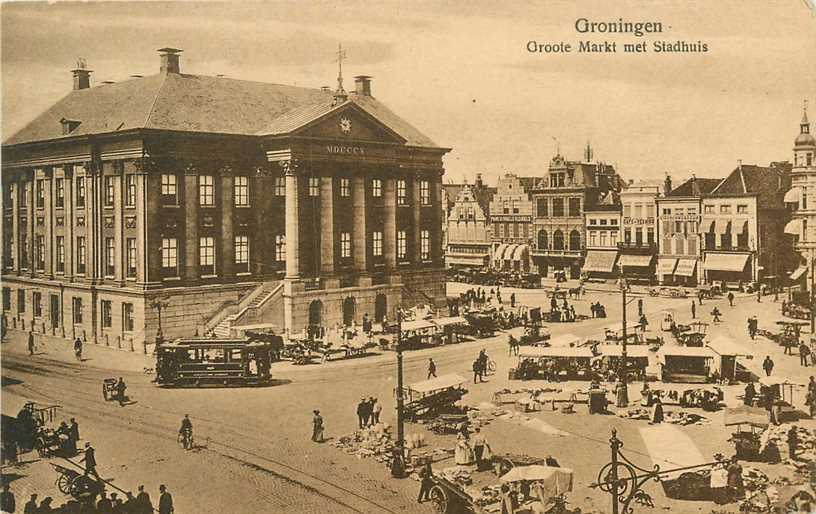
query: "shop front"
728, 268
512, 257
638, 268
600, 264
665, 270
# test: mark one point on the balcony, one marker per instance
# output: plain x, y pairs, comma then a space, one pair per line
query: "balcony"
633, 247
549, 252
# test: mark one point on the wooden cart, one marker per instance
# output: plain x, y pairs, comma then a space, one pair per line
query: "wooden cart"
79, 486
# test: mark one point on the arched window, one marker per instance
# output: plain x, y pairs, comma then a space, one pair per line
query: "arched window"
558, 240
543, 240
575, 240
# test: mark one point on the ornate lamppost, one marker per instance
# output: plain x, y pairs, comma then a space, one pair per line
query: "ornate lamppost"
397, 465
623, 368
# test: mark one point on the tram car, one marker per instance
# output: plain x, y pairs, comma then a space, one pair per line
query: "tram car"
202, 361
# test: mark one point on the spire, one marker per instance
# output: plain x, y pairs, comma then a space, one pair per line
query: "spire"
805, 124
340, 95
588, 152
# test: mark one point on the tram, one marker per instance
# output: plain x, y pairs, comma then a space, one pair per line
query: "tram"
203, 361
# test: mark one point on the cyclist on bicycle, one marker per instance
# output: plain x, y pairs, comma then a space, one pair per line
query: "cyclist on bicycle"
186, 430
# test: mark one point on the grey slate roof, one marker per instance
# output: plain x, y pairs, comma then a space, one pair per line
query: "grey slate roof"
198, 103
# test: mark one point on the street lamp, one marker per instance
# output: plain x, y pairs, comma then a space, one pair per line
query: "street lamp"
623, 391
397, 467
159, 304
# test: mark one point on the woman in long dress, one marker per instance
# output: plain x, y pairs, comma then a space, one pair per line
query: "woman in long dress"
463, 455
657, 411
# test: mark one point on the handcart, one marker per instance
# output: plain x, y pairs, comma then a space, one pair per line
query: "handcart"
79, 486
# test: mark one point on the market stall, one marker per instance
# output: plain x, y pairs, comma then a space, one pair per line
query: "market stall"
564, 341
728, 351
668, 320
634, 332
685, 364
554, 363
452, 329
608, 357
782, 391
418, 334
432, 397
670, 448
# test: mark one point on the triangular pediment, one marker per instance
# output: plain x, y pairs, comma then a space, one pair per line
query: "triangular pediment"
350, 122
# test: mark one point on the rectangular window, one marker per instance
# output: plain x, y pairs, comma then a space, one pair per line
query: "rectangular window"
80, 191
127, 317
59, 192
21, 301
804, 230
206, 255
650, 210
242, 254
627, 237
613, 238
650, 235
725, 209
169, 256
345, 245
6, 298
60, 254
603, 235
36, 302
425, 245
314, 186
130, 190
593, 238
280, 248
110, 257
804, 198
110, 192
40, 193
558, 207
627, 210
603, 222
376, 187
742, 209
471, 214
80, 254
280, 186
638, 210
402, 198
708, 209
377, 244
40, 253
541, 207
77, 310
638, 236
24, 251
425, 192
345, 187
241, 191
169, 190
515, 207
130, 251
574, 207
402, 244
516, 230
8, 248
107, 311
613, 221
593, 221
206, 190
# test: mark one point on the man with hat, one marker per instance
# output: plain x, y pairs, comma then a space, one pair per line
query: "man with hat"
31, 505
317, 427
90, 460
361, 412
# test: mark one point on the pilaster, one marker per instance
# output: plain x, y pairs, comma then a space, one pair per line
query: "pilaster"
191, 223
327, 244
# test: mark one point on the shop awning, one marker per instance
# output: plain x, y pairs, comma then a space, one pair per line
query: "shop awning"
798, 272
642, 261
666, 265
635, 351
794, 227
521, 252
715, 261
743, 226
499, 254
793, 195
452, 320
600, 261
685, 351
685, 267
723, 345
720, 227
465, 261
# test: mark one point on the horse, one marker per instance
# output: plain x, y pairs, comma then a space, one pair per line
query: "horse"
575, 292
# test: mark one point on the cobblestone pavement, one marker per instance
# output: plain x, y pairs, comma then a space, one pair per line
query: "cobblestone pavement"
257, 456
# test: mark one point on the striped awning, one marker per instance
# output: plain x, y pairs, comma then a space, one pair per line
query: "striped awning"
632, 261
794, 227
666, 265
600, 261
520, 252
798, 272
685, 267
499, 254
720, 227
793, 195
715, 261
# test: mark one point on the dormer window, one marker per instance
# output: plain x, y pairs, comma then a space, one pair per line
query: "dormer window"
69, 126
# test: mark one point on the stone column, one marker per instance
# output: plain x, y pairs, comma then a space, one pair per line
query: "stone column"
32, 182
227, 231
416, 208
150, 207
292, 221
436, 233
119, 253
142, 247
390, 222
15, 226
190, 223
68, 220
48, 213
327, 244
359, 231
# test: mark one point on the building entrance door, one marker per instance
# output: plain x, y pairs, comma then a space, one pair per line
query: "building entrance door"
380, 307
349, 306
55, 311
316, 313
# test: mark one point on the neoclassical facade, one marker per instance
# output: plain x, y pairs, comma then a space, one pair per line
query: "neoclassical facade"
208, 202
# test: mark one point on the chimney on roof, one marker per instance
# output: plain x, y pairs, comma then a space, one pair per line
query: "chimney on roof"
169, 60
362, 85
479, 182
82, 75
667, 184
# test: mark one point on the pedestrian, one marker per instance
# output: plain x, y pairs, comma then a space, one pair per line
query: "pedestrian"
640, 306
736, 490
376, 409
512, 300
479, 449
810, 403
104, 505
483, 361
131, 505
508, 500
700, 297
511, 342
78, 349
431, 369
793, 442
31, 505
592, 309
90, 460
31, 343
693, 310
317, 427
145, 506
788, 346
165, 501
759, 295
366, 324
750, 393
731, 298
657, 412
425, 482
715, 313
73, 429
121, 387
361, 413
643, 322
804, 354
768, 365
7, 501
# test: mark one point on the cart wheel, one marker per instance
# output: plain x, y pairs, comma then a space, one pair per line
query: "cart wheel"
491, 366
81, 484
439, 499
104, 392
64, 484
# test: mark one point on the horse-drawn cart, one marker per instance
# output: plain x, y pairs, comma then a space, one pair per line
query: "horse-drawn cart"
78, 485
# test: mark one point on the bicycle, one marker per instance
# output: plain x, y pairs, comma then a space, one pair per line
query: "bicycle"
491, 366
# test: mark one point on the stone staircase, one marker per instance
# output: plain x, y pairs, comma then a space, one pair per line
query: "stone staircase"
222, 329
248, 312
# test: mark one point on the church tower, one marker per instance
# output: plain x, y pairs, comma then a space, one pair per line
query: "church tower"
802, 198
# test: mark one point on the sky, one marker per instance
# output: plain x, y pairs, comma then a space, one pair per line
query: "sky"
460, 71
